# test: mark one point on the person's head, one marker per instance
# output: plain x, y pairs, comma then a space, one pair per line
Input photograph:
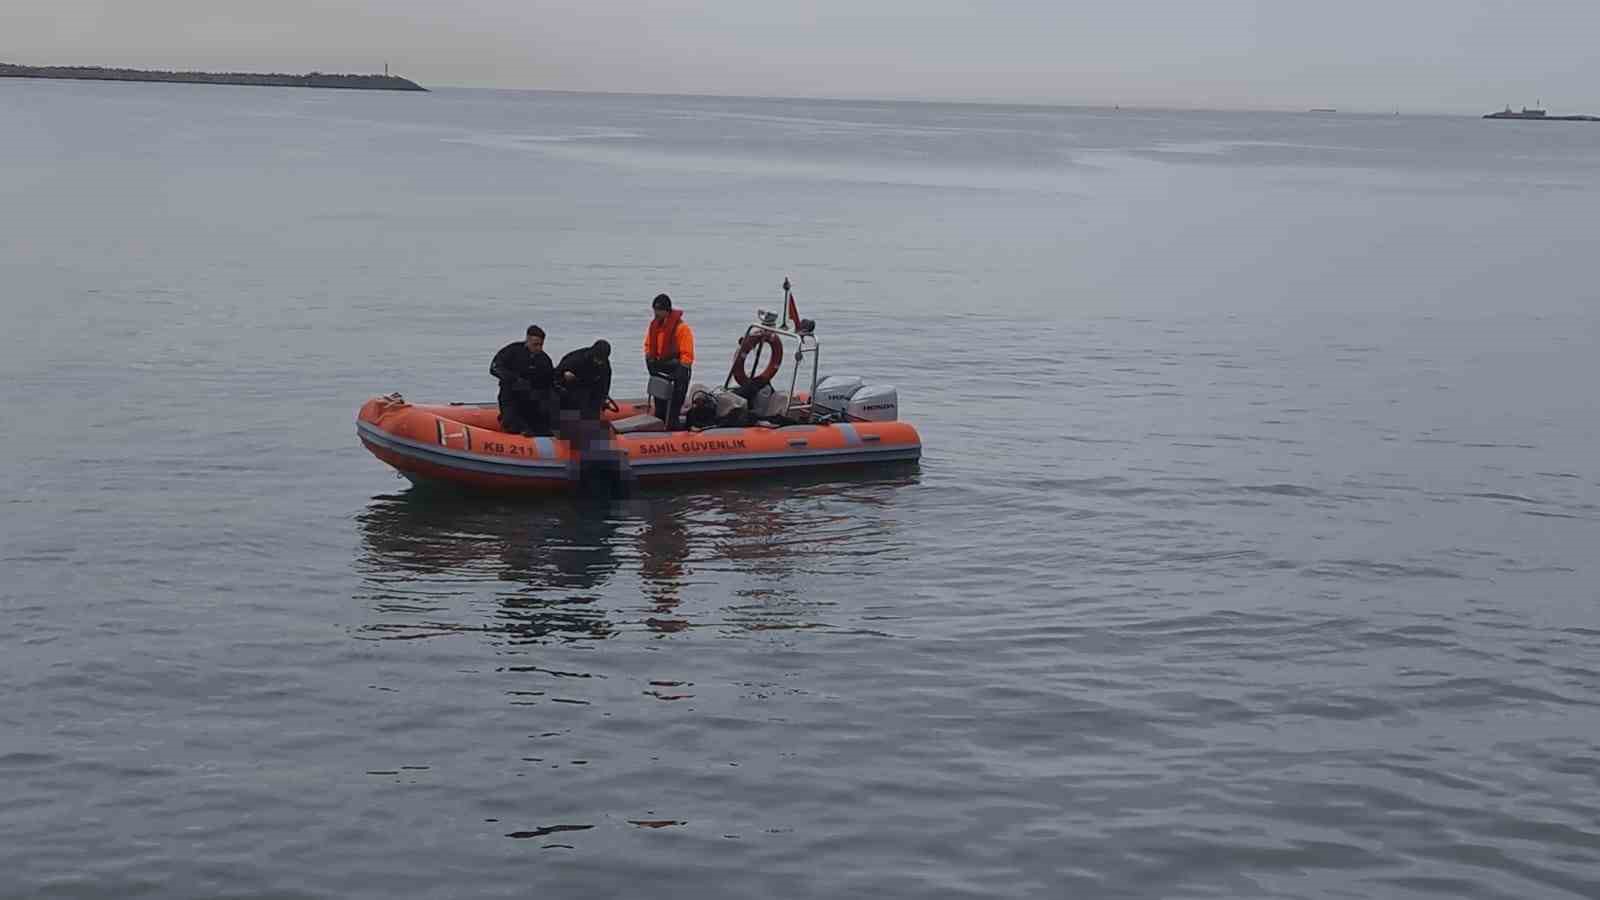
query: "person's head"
662, 305
601, 351
535, 339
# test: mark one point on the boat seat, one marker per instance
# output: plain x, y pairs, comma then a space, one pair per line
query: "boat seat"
636, 424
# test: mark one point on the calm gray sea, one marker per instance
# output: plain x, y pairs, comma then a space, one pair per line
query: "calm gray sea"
1253, 552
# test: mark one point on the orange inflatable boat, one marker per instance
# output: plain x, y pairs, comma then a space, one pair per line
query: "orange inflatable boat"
839, 422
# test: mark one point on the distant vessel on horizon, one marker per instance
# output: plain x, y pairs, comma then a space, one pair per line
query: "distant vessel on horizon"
1536, 114
1323, 109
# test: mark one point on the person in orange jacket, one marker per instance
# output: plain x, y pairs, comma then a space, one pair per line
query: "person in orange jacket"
669, 353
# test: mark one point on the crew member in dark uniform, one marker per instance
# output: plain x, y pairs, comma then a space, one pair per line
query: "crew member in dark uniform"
583, 377
527, 385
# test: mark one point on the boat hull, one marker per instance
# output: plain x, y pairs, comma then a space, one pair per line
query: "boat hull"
454, 445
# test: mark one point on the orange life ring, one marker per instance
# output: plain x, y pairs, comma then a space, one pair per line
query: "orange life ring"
751, 342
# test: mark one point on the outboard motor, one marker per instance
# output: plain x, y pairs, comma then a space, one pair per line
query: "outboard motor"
874, 403
835, 391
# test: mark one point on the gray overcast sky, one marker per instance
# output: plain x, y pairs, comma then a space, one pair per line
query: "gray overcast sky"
1419, 55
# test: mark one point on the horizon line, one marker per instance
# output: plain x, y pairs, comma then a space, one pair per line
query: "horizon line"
1322, 108
1389, 111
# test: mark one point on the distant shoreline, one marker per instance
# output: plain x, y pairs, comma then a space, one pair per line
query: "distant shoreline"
311, 80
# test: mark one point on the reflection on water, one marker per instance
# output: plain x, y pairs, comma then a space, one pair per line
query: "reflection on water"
664, 549
558, 567
424, 553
